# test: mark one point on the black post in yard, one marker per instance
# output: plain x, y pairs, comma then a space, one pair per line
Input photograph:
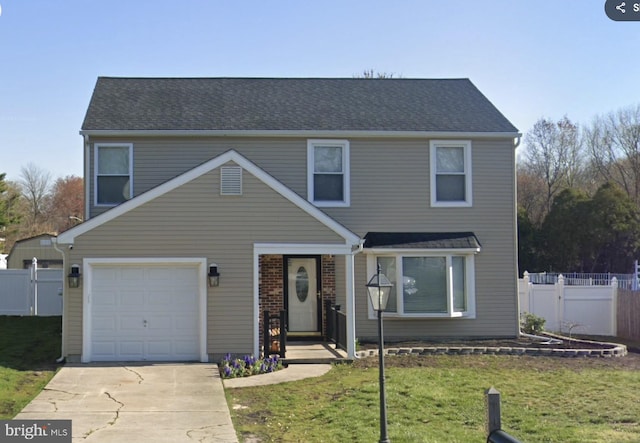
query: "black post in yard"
266, 336
379, 288
384, 437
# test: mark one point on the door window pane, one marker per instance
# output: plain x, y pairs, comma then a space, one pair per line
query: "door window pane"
302, 284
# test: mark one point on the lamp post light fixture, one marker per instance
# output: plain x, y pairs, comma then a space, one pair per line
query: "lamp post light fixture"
379, 288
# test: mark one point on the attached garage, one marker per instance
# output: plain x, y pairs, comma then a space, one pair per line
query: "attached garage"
142, 310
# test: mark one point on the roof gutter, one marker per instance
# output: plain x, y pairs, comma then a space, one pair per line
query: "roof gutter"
294, 133
517, 141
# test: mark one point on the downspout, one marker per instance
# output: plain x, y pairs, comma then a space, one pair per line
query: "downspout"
516, 143
87, 192
54, 242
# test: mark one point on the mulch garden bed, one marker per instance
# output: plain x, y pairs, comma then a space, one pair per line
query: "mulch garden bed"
552, 346
529, 352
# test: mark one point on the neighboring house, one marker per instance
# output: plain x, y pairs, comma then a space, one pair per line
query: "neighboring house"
40, 247
293, 190
3, 261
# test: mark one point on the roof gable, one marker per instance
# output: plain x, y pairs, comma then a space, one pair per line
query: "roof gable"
68, 237
291, 104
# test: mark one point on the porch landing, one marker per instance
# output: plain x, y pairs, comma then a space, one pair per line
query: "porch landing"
310, 352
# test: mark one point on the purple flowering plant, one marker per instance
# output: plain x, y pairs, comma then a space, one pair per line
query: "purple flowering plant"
233, 367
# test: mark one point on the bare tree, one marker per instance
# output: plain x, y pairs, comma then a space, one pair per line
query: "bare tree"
554, 155
371, 73
613, 143
531, 192
34, 185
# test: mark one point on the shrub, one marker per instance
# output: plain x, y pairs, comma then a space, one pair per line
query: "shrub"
248, 365
531, 323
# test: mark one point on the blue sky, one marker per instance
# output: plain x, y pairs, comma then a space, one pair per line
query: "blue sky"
531, 58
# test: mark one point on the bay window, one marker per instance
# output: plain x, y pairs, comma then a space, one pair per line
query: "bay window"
427, 284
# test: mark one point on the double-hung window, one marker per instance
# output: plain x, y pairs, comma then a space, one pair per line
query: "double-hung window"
328, 172
427, 284
113, 173
450, 162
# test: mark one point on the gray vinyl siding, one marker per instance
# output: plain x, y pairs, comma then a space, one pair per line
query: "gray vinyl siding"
195, 221
404, 205
156, 160
390, 191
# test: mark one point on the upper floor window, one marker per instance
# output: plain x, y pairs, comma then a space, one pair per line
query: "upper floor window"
328, 172
450, 162
113, 173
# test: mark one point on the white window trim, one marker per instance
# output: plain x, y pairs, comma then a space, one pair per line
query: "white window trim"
96, 147
466, 145
470, 279
344, 144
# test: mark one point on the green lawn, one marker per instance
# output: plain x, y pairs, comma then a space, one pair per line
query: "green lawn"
441, 399
29, 347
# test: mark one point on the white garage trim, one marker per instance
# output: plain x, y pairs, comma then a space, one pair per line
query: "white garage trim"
89, 264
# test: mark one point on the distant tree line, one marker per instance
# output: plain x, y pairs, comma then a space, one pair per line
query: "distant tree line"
579, 195
36, 204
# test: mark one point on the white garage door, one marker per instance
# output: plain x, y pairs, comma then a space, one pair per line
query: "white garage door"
144, 312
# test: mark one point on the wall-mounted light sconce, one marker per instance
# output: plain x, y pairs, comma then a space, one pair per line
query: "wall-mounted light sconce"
74, 276
214, 276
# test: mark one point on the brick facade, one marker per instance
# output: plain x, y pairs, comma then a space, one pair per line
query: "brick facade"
271, 285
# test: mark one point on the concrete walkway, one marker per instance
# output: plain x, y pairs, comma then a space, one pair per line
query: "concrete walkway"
290, 373
137, 403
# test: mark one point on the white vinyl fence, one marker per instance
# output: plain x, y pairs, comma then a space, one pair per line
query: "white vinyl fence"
571, 309
31, 292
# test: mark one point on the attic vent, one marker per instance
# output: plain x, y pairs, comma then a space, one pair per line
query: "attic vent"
231, 180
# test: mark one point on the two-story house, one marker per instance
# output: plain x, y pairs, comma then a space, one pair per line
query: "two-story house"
289, 192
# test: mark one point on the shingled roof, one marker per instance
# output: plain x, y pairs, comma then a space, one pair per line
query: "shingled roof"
422, 240
292, 104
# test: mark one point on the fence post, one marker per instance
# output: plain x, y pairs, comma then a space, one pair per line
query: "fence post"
614, 306
266, 336
283, 333
524, 294
492, 398
336, 329
34, 269
560, 302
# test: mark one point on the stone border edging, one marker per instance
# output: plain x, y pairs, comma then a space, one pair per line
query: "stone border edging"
616, 350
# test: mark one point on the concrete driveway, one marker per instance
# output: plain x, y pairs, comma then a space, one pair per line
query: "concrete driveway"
137, 403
